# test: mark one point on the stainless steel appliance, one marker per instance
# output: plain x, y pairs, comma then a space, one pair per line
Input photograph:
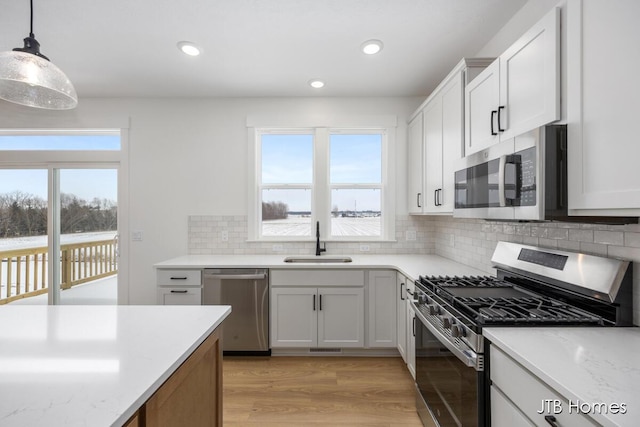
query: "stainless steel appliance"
246, 330
534, 287
523, 178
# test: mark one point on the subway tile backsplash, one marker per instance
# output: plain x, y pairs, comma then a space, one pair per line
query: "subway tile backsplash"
205, 238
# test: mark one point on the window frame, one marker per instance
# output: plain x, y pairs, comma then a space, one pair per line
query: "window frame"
321, 186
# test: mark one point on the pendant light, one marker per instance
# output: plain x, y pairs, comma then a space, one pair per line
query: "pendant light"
27, 77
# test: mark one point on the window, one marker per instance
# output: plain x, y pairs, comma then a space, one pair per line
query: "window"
336, 177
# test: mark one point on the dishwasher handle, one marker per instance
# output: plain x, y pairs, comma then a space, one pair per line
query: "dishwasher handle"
260, 276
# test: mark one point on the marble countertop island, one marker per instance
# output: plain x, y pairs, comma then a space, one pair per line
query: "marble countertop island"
92, 365
582, 364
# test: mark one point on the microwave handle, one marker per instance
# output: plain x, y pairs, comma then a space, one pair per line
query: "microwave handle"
501, 181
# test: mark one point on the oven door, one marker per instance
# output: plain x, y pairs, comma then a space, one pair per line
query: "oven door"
450, 382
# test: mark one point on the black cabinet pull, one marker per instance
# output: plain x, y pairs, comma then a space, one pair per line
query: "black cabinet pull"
435, 197
500, 108
178, 278
314, 303
551, 420
401, 297
493, 114
320, 305
438, 193
173, 291
414, 326
418, 200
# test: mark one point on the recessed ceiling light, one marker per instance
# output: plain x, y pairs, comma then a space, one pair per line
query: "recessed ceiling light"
371, 47
189, 48
316, 83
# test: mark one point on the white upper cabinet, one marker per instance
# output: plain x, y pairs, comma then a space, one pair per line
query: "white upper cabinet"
415, 179
603, 90
436, 138
519, 92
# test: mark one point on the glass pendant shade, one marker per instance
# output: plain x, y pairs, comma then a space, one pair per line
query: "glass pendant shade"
30, 80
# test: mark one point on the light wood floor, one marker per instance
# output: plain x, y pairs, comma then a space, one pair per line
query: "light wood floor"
315, 391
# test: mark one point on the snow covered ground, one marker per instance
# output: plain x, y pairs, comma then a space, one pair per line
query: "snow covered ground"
301, 226
41, 241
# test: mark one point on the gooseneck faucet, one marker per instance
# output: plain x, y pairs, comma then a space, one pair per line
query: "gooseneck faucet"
319, 249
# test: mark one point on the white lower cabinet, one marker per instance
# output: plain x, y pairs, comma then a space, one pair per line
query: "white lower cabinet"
401, 315
317, 308
317, 317
411, 340
179, 286
381, 305
517, 396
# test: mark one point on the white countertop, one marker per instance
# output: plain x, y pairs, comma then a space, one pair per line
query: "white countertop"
92, 365
410, 265
587, 364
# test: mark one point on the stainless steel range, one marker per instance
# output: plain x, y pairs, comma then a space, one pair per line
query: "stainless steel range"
533, 287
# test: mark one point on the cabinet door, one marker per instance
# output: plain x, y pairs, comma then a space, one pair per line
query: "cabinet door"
381, 324
340, 317
433, 154
530, 79
452, 139
411, 340
294, 317
482, 97
504, 413
401, 315
415, 165
180, 296
603, 90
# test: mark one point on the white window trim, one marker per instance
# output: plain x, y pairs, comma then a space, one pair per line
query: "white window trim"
320, 203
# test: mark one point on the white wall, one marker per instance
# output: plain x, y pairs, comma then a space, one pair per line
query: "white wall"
189, 157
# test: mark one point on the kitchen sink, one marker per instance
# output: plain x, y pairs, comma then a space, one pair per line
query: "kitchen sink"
317, 259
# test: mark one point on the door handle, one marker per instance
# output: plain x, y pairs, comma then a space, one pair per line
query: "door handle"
418, 200
500, 108
493, 114
320, 304
551, 420
173, 291
401, 297
314, 303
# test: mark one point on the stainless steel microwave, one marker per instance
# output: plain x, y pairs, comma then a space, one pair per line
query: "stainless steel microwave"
523, 178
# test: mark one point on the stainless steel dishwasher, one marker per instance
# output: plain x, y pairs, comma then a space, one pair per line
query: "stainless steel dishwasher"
246, 330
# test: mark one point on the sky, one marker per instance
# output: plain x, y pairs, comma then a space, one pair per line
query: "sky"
87, 184
288, 159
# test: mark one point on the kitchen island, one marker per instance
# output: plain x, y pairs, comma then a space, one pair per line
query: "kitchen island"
581, 376
106, 365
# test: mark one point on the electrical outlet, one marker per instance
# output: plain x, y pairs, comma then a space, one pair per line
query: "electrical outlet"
136, 236
364, 248
277, 248
410, 235
224, 235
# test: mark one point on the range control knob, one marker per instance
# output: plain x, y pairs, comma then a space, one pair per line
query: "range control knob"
457, 331
446, 322
433, 310
422, 299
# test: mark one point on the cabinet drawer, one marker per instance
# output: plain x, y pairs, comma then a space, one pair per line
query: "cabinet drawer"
317, 278
179, 277
528, 393
180, 296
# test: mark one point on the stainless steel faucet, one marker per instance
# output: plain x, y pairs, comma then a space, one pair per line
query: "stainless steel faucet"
319, 249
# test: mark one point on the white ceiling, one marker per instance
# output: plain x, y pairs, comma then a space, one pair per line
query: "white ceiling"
114, 48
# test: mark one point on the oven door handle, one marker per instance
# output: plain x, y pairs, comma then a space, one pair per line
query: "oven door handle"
470, 360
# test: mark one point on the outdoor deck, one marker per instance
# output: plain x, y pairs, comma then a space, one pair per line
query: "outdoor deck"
96, 292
